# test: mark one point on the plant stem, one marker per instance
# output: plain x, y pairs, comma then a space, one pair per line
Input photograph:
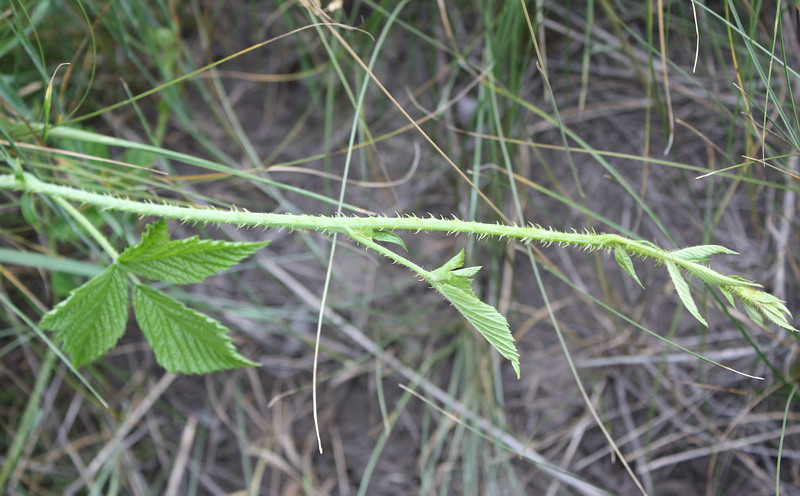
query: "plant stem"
360, 227
325, 224
83, 221
758, 304
366, 241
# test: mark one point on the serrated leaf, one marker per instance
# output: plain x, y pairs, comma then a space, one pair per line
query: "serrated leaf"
466, 271
624, 261
754, 314
777, 313
767, 299
93, 318
701, 253
760, 304
774, 314
154, 234
780, 320
389, 237
711, 276
727, 294
182, 261
682, 288
456, 287
183, 340
443, 272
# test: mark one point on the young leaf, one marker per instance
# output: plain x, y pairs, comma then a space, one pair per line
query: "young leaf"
701, 253
389, 237
711, 276
777, 315
754, 315
182, 261
155, 234
443, 272
93, 318
682, 288
759, 305
727, 294
466, 271
183, 340
624, 261
456, 287
773, 308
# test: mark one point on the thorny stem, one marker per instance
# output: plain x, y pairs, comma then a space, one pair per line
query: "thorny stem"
367, 241
358, 229
331, 224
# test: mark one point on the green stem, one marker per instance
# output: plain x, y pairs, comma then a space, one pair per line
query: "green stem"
321, 223
360, 226
367, 241
82, 220
762, 307
93, 231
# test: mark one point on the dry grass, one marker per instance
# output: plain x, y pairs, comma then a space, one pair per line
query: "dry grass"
411, 399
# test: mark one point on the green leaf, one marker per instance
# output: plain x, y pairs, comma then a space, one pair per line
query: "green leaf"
389, 237
183, 340
27, 206
182, 261
682, 288
155, 234
93, 318
624, 261
443, 272
777, 316
773, 308
701, 253
711, 276
456, 287
16, 165
727, 294
754, 314
760, 304
466, 271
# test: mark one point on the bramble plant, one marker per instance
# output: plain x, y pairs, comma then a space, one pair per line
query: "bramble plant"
94, 316
576, 151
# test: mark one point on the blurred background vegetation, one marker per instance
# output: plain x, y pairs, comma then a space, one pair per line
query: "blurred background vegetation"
670, 121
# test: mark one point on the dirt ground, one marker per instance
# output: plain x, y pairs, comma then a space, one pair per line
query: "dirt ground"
411, 399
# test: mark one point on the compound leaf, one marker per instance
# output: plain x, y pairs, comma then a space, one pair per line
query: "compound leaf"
93, 317
182, 261
183, 340
456, 286
682, 288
